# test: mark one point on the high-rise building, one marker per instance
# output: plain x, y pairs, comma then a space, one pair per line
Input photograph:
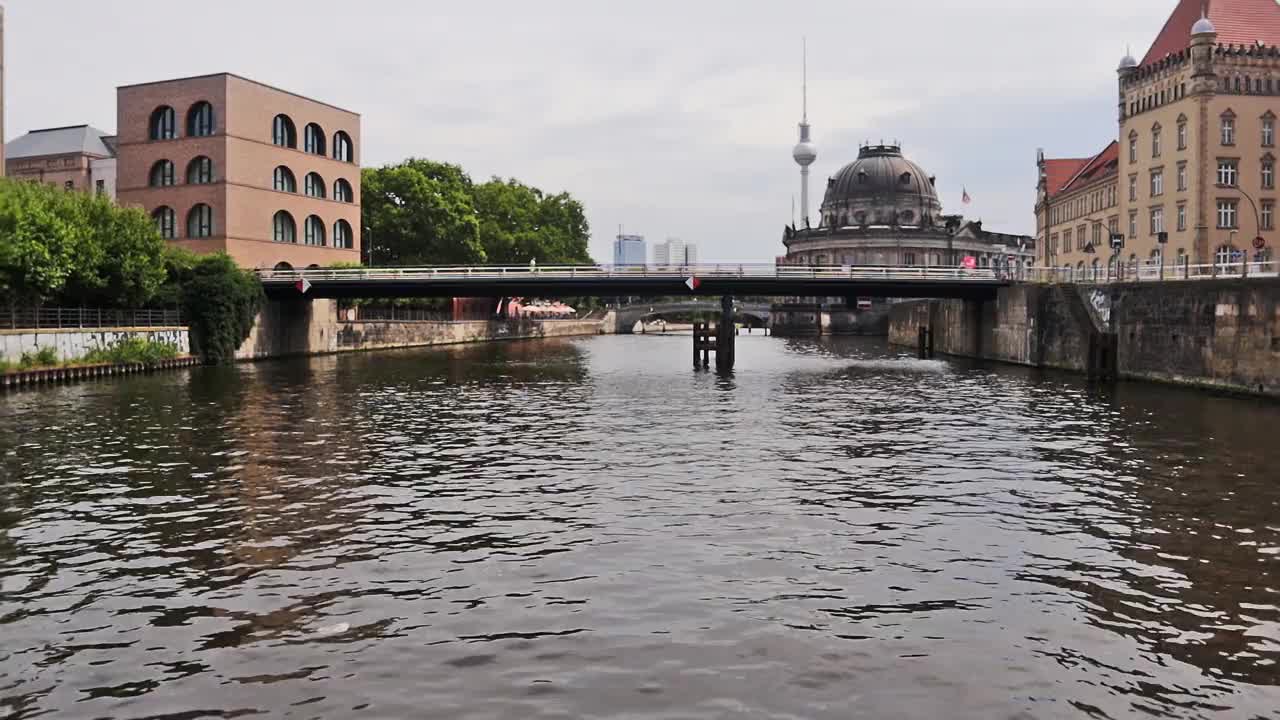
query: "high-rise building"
669, 253
224, 163
77, 157
630, 250
1192, 173
690, 253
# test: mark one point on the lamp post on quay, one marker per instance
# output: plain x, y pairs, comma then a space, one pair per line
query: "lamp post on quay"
1257, 226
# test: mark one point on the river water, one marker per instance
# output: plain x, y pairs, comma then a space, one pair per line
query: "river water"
588, 528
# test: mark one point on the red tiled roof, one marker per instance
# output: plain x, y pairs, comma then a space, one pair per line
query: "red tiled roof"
1059, 171
1104, 163
1238, 22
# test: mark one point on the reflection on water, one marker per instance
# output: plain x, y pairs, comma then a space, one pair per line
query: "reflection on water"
589, 528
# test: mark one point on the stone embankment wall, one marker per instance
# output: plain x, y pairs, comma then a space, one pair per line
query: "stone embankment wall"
1222, 334
377, 335
298, 327
73, 343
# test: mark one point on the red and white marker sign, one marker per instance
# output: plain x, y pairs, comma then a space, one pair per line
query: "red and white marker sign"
693, 283
303, 285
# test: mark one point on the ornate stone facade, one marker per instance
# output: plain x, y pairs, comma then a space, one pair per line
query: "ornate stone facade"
1193, 177
883, 209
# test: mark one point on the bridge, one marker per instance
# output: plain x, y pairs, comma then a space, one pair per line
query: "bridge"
633, 280
293, 290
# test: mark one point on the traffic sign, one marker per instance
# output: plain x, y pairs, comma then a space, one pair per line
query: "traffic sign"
1259, 243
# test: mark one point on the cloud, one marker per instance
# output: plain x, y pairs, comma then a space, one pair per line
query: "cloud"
671, 118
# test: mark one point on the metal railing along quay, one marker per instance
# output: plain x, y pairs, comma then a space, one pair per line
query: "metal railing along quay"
1151, 272
57, 318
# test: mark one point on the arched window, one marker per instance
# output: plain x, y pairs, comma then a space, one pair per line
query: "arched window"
200, 120
342, 237
200, 221
342, 191
283, 229
200, 171
162, 174
282, 179
165, 222
164, 126
1094, 268
283, 132
313, 185
313, 231
313, 139
283, 267
342, 149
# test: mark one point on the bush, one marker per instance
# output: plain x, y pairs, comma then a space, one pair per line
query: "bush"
131, 351
220, 303
41, 358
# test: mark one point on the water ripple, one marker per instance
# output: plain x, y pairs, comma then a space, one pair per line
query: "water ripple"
587, 528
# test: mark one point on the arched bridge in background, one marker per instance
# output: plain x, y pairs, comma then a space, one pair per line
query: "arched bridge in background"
628, 315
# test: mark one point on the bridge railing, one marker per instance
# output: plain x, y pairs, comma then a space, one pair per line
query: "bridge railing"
1154, 272
717, 270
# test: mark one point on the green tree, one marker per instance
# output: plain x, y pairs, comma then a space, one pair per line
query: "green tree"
220, 303
75, 248
38, 243
129, 262
419, 212
519, 223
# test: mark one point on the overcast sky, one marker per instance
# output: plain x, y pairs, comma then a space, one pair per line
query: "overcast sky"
670, 118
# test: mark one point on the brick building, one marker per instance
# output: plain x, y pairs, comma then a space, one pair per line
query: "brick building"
225, 163
1193, 171
76, 157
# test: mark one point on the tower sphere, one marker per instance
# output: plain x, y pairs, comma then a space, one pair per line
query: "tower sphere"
804, 153
1127, 62
1202, 26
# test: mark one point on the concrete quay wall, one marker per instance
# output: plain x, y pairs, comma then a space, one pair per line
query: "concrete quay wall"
75, 343
301, 327
1221, 334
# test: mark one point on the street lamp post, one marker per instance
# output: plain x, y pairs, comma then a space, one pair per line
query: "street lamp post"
368, 231
1257, 226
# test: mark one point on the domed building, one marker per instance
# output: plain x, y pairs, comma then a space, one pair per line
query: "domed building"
883, 209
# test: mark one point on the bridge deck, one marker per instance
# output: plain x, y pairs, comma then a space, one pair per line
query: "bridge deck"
611, 281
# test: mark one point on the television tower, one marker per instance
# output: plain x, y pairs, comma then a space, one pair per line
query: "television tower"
805, 152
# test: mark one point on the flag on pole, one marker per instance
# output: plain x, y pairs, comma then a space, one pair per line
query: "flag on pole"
965, 197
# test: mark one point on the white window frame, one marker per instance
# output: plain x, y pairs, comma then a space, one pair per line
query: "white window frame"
1228, 214
1228, 173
